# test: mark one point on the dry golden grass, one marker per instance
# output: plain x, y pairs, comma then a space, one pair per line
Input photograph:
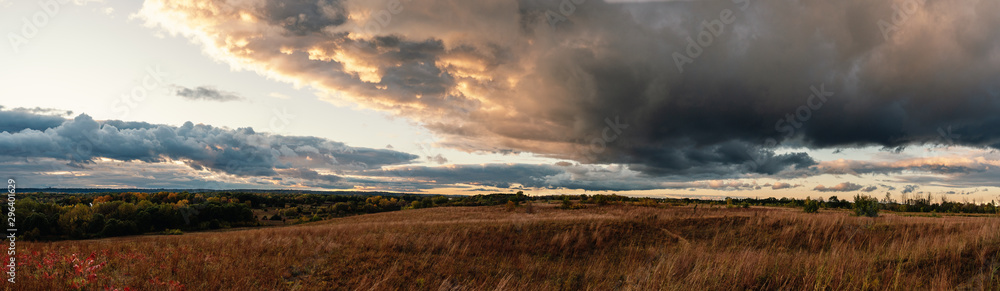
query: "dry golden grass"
487, 248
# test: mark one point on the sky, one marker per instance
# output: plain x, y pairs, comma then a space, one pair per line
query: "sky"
705, 99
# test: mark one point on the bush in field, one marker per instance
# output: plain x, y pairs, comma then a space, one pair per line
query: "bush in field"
173, 232
812, 206
511, 206
600, 200
566, 204
865, 206
569, 205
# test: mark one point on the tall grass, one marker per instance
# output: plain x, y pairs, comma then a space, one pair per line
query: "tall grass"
609, 247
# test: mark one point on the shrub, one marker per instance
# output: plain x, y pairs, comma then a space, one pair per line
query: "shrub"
173, 232
811, 205
567, 204
511, 206
648, 202
865, 206
600, 200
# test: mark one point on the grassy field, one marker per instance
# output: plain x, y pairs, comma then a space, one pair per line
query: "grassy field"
490, 248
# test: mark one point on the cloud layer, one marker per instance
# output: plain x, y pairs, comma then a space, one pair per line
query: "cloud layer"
602, 84
50, 150
240, 152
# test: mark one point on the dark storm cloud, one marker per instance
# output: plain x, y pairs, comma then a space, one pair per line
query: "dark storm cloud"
719, 159
206, 94
494, 76
240, 152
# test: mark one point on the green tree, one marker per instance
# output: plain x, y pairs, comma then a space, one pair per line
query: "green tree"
96, 223
36, 221
812, 206
440, 200
116, 227
866, 206
342, 207
75, 220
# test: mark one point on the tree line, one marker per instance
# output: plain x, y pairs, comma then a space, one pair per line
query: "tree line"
53, 216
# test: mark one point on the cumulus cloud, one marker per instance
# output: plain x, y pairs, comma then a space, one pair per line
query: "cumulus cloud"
842, 187
240, 152
603, 86
18, 119
782, 185
204, 93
